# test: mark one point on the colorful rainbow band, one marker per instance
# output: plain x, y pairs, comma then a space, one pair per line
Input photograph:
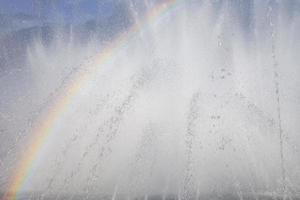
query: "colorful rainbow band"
47, 122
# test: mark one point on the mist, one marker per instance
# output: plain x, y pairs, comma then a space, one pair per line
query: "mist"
202, 102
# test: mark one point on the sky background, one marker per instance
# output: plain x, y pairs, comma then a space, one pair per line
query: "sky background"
70, 11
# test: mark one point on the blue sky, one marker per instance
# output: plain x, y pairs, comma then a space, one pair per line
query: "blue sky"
70, 10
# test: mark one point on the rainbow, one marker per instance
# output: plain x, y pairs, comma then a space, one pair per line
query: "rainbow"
47, 122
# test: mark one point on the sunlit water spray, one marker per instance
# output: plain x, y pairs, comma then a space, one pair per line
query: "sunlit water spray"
201, 102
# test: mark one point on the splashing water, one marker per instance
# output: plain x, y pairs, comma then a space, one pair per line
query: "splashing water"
194, 99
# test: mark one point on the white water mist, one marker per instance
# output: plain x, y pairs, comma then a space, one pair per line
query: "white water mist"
202, 102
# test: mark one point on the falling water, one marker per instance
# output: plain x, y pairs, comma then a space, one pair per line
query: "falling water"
201, 102
277, 91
